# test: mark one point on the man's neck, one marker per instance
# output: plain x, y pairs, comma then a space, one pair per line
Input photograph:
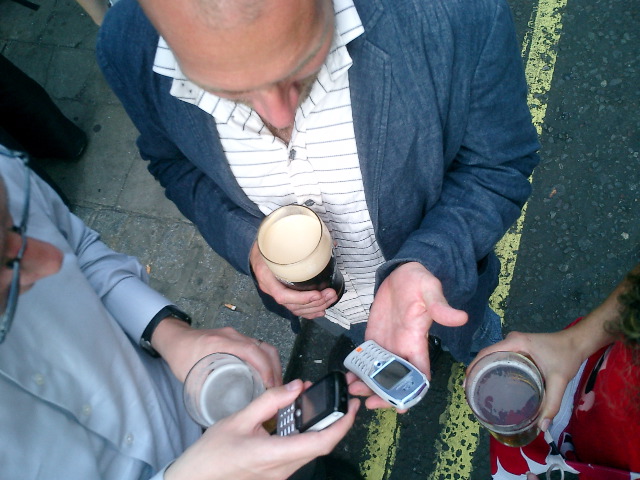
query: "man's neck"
283, 134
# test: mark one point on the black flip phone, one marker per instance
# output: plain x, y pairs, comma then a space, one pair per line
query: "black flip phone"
317, 407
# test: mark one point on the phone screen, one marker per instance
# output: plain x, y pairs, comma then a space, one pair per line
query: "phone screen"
314, 401
391, 374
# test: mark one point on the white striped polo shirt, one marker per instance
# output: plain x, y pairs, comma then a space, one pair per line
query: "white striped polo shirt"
319, 167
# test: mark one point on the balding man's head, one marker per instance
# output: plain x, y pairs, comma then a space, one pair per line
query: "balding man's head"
260, 52
227, 14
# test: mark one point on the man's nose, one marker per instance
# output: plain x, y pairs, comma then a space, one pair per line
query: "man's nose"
40, 260
277, 105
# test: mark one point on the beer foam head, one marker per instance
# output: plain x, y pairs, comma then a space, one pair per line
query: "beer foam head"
227, 390
294, 242
290, 239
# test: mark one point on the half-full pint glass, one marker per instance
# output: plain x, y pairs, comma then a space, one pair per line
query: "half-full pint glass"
297, 247
505, 392
218, 385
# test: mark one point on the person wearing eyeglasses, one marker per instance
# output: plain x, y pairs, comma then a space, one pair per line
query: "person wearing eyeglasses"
82, 395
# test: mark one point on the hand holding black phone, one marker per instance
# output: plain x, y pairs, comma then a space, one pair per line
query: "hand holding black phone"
322, 404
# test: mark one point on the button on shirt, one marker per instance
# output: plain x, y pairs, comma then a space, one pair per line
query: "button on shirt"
319, 167
78, 399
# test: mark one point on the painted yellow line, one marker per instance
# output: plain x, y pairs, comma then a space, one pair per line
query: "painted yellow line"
460, 432
380, 453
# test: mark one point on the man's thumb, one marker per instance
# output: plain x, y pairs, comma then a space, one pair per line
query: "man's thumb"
448, 316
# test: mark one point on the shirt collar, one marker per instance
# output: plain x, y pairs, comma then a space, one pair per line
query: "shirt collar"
348, 27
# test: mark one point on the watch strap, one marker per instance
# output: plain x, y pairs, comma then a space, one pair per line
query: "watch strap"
168, 311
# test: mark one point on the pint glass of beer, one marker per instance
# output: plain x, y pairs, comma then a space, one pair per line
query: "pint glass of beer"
297, 247
505, 392
218, 385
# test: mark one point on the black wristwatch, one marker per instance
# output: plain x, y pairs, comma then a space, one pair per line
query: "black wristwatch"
168, 311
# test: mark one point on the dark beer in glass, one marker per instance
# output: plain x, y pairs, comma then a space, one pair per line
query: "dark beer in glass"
298, 249
505, 392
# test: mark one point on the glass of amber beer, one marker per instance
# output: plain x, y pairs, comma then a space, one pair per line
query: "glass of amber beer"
297, 247
505, 392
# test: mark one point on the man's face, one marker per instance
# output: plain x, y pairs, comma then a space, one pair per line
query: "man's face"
40, 259
268, 63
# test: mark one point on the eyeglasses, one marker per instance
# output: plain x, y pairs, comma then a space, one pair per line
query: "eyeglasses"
21, 229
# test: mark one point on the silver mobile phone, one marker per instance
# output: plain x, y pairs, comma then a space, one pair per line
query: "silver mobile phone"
391, 377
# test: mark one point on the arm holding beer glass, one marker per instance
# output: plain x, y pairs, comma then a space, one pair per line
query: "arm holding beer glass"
307, 304
559, 355
64, 272
182, 346
293, 253
589, 410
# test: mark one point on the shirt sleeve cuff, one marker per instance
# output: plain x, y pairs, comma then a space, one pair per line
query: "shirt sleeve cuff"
133, 304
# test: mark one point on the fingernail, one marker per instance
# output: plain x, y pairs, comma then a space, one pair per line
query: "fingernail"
293, 385
545, 424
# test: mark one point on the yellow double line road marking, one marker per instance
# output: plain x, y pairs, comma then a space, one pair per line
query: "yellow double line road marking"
459, 434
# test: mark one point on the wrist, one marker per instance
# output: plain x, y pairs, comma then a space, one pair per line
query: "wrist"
150, 340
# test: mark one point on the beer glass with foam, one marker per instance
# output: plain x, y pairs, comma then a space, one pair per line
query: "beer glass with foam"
505, 392
218, 385
297, 247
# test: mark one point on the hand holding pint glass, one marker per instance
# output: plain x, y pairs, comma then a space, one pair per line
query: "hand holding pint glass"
505, 392
219, 385
297, 247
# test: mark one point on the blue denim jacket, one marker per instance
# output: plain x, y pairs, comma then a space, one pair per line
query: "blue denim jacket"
444, 136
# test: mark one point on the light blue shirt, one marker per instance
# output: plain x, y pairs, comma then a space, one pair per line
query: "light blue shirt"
78, 398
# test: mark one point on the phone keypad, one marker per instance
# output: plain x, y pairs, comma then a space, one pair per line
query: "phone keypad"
370, 359
286, 423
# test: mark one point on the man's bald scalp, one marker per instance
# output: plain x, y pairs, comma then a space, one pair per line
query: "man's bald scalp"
224, 14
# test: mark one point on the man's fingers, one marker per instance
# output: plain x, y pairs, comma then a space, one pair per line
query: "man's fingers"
266, 360
445, 315
359, 389
554, 391
266, 405
308, 445
375, 402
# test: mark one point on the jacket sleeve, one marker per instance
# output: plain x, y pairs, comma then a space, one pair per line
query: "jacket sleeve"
125, 52
489, 145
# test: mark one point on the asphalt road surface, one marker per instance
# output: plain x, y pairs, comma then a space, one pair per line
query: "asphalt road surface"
578, 236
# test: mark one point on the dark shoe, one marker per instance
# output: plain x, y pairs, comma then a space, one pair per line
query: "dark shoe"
9, 142
72, 148
59, 139
30, 116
